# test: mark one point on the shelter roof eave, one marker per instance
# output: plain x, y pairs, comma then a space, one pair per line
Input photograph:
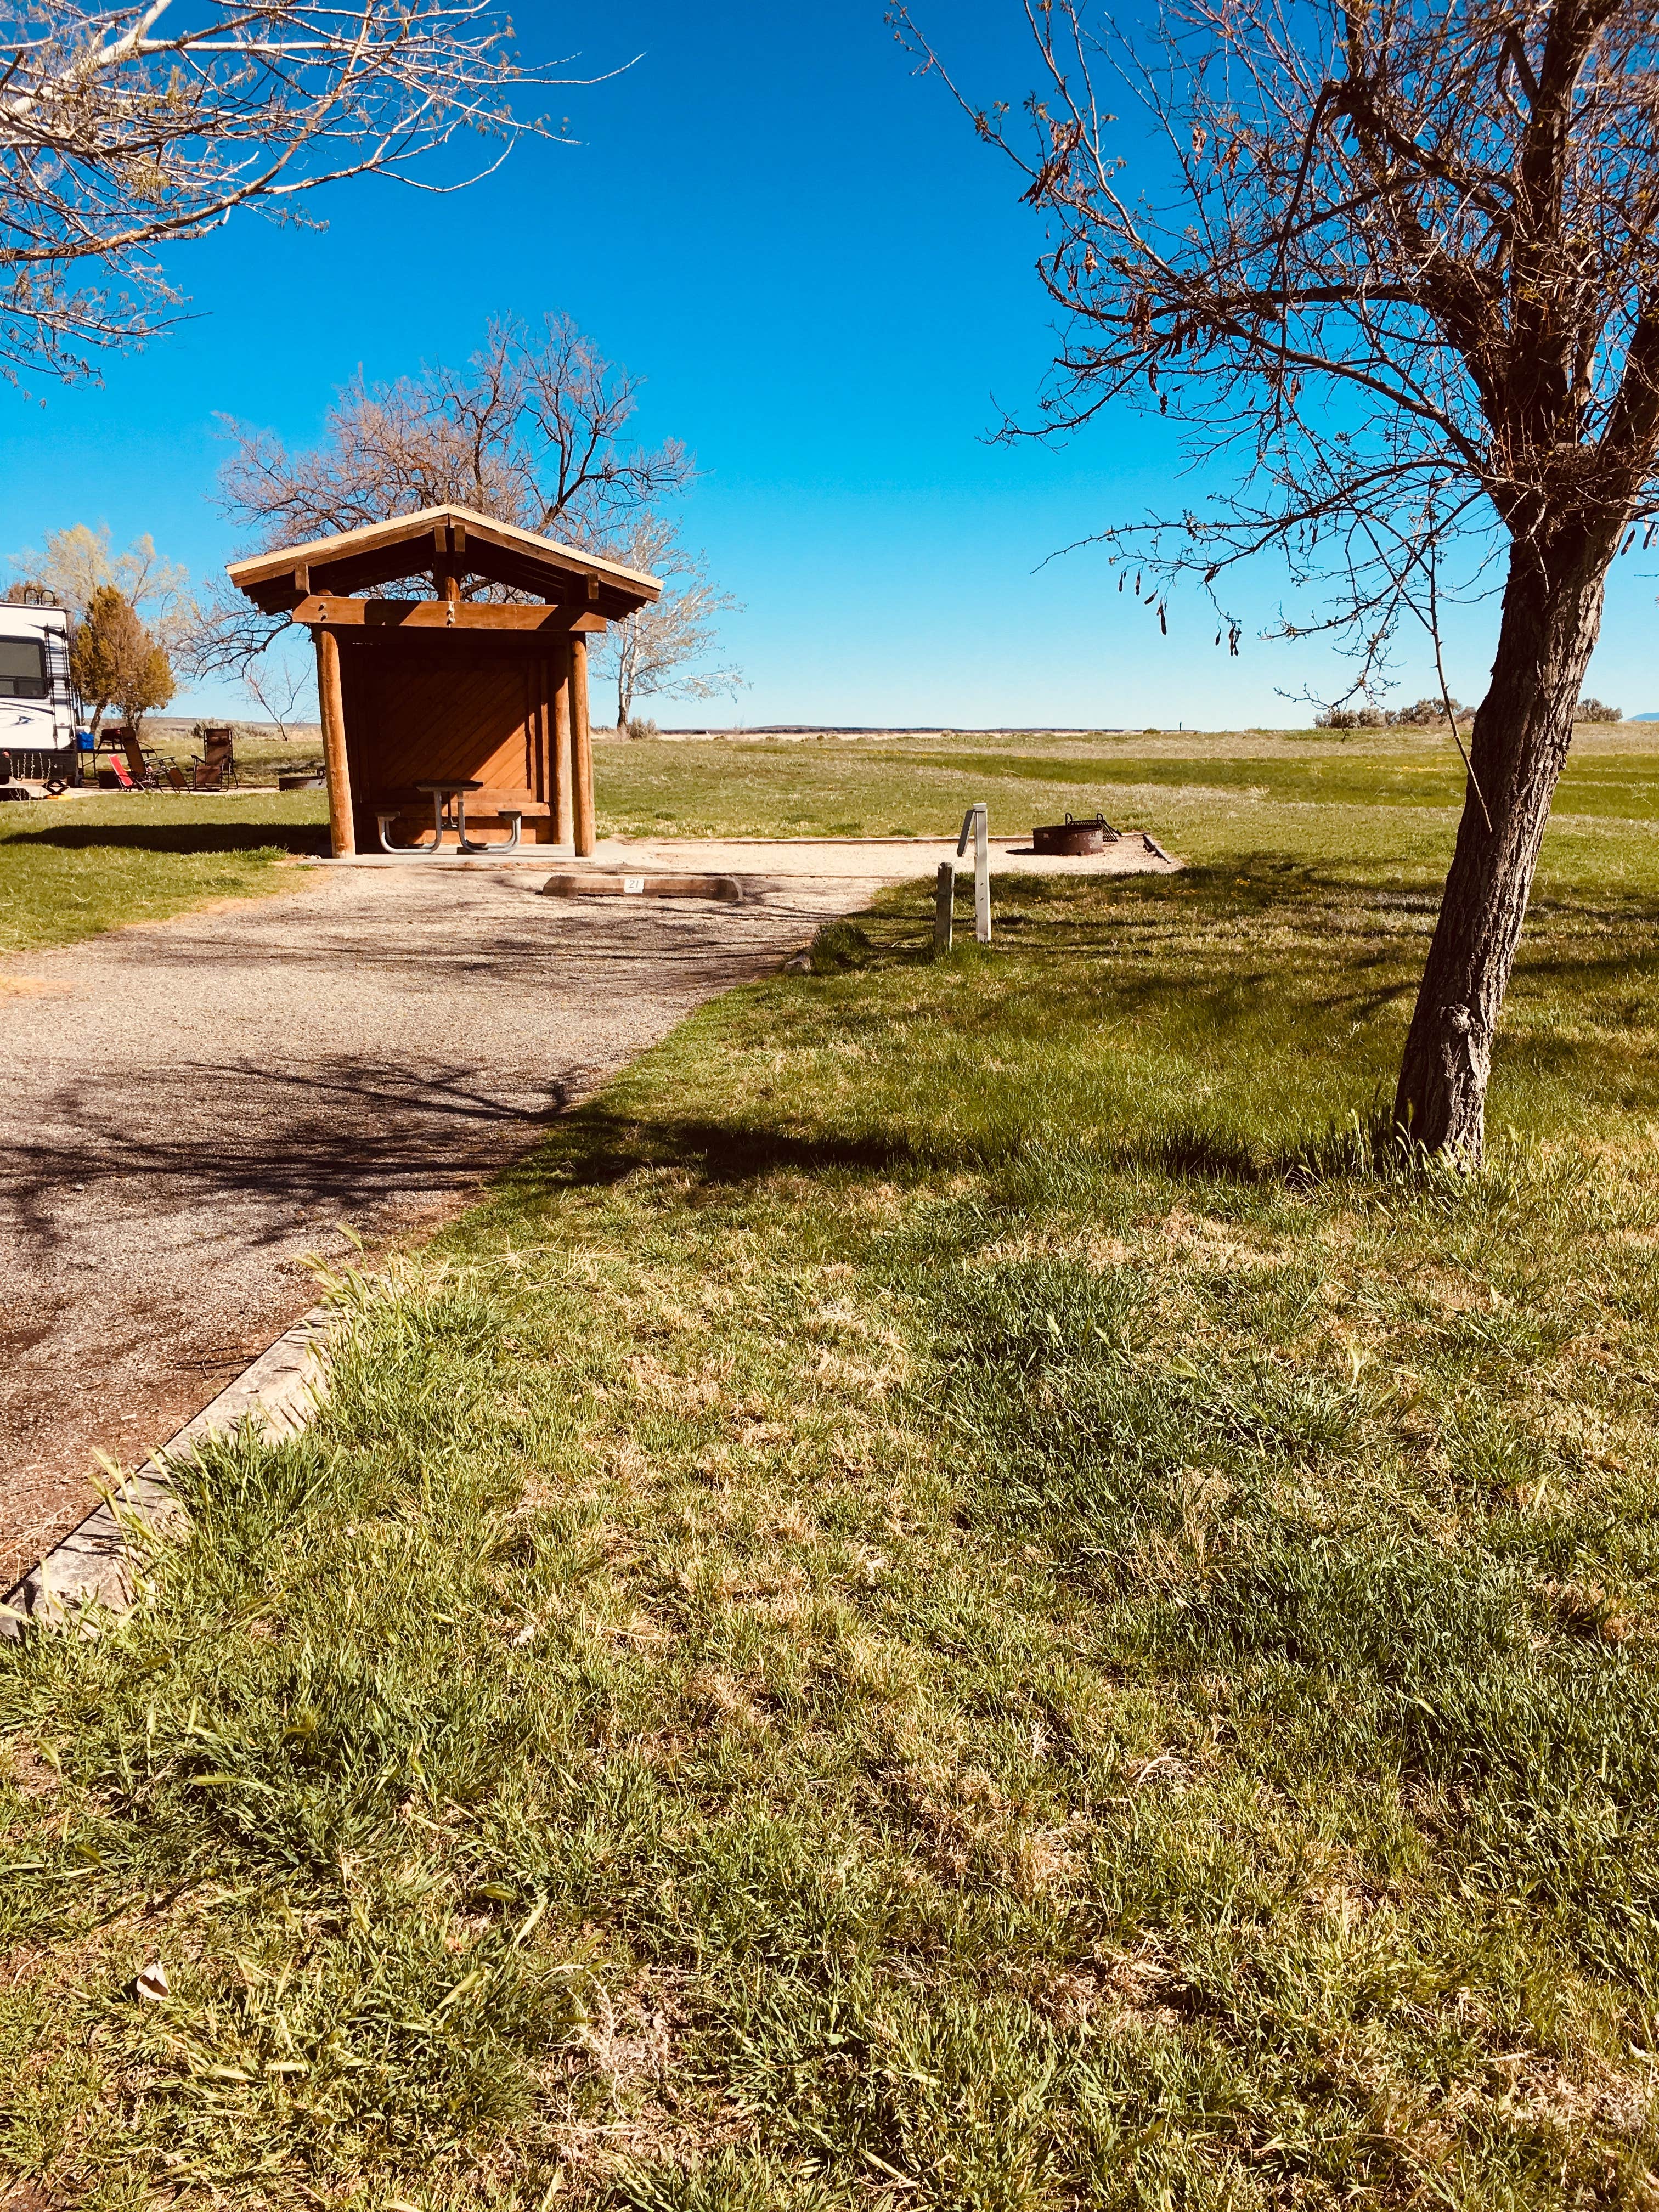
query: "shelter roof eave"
456, 538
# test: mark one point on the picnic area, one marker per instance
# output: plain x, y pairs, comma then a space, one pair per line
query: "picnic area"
952, 1576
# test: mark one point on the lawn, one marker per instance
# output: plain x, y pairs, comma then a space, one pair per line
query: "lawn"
1178, 786
72, 867
959, 1596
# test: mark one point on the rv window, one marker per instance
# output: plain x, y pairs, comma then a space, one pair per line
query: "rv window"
23, 668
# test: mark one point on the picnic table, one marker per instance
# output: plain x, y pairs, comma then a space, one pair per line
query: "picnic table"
448, 797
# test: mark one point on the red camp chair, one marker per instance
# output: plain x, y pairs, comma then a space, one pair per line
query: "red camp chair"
140, 766
127, 765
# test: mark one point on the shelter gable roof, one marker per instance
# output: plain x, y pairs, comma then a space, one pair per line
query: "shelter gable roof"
470, 542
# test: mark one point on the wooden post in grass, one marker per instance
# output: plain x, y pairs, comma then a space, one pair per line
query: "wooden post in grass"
581, 745
342, 834
945, 900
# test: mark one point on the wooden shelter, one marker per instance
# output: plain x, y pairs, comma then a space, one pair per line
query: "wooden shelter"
487, 697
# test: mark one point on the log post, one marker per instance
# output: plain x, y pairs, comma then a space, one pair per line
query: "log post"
582, 746
331, 705
563, 818
945, 902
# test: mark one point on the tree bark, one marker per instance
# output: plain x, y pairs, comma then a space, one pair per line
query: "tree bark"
1551, 618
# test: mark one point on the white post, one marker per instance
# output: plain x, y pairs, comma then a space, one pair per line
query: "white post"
945, 900
981, 874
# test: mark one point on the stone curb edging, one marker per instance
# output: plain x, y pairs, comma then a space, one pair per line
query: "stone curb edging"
96, 1564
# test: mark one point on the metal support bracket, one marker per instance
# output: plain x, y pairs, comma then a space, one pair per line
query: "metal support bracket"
975, 823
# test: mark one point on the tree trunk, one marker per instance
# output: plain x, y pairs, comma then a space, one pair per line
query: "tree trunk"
1551, 617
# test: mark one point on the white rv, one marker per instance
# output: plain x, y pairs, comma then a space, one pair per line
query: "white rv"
37, 709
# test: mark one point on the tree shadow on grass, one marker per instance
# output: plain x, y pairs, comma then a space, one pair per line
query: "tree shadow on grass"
597, 1147
306, 839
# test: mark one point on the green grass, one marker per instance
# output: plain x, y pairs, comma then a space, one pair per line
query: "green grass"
958, 1595
1175, 785
70, 870
73, 867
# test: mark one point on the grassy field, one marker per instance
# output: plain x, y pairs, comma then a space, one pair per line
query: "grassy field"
1186, 786
72, 867
958, 1595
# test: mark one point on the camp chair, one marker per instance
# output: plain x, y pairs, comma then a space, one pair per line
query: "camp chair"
126, 763
141, 770
214, 765
175, 775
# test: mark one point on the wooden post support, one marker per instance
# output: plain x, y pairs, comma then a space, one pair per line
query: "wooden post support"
945, 902
582, 746
331, 705
564, 829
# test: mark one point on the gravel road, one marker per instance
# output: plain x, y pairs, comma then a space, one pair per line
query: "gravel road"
193, 1106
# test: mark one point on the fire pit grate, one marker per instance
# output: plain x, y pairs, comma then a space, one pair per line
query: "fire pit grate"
1076, 838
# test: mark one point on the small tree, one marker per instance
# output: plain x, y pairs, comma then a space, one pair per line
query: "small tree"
114, 661
75, 562
655, 650
1397, 270
279, 686
147, 686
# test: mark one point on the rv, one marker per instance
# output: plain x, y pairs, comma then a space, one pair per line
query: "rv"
37, 708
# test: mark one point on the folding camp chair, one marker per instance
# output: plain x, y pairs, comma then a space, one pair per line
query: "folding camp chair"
124, 762
214, 765
140, 766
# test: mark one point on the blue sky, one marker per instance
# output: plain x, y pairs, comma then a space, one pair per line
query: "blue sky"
827, 283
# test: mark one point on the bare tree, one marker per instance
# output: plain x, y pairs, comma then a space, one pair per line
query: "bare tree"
281, 686
533, 430
657, 648
76, 562
127, 129
1398, 266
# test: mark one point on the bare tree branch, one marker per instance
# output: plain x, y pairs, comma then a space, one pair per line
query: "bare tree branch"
658, 649
126, 130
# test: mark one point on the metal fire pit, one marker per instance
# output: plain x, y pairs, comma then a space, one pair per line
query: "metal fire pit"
1076, 838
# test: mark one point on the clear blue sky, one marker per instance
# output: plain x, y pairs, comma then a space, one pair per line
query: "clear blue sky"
827, 283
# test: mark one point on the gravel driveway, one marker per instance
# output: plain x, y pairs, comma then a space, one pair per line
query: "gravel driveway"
193, 1106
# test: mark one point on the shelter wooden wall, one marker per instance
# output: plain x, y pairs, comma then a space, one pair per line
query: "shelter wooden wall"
423, 707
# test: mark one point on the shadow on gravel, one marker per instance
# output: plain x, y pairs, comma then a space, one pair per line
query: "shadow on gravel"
349, 1133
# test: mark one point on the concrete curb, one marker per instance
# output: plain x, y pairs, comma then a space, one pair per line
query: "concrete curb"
97, 1564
